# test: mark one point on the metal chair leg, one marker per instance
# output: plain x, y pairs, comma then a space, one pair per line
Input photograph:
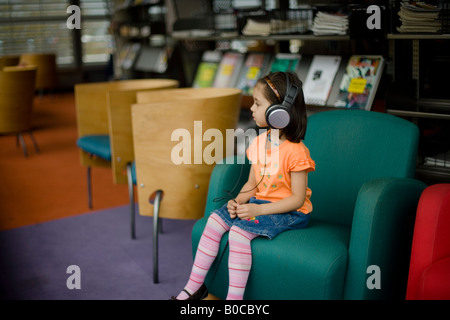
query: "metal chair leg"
36, 147
132, 201
22, 144
156, 202
89, 186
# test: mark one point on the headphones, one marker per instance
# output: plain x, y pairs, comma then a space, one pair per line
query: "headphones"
278, 115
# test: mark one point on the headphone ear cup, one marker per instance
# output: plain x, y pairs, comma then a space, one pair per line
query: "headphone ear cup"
277, 116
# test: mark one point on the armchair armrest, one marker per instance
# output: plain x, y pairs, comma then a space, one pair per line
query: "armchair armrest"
232, 173
435, 281
381, 236
229, 175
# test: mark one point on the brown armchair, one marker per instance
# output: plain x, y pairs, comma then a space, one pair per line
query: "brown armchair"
46, 76
16, 102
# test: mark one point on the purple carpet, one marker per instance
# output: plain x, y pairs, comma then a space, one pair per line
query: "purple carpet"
34, 259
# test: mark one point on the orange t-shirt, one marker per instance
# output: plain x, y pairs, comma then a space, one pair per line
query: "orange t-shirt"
280, 161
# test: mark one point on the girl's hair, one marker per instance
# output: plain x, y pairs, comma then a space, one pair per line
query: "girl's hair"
295, 130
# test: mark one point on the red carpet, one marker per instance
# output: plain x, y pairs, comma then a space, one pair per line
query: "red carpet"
51, 184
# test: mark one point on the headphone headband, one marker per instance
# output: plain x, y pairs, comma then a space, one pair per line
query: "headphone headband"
278, 115
291, 93
272, 86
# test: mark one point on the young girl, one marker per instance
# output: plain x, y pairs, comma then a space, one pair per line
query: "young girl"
275, 198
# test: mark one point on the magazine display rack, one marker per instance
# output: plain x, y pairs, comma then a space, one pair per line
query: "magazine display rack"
140, 36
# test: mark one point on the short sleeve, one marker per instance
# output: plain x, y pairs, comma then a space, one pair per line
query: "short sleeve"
307, 165
300, 160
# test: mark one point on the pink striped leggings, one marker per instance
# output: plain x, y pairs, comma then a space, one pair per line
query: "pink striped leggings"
239, 261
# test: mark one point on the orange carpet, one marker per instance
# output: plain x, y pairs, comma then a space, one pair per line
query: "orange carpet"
51, 184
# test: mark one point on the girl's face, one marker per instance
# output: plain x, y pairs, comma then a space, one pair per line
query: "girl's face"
259, 107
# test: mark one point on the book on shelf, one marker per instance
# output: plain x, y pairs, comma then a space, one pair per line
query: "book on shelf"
229, 69
122, 53
152, 59
128, 54
207, 69
360, 82
254, 68
285, 62
320, 78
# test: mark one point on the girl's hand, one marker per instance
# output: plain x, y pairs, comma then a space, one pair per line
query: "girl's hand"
247, 210
231, 206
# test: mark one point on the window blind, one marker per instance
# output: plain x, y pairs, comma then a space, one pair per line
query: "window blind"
95, 36
37, 26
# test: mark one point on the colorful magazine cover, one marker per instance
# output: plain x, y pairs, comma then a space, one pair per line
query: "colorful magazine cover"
285, 62
207, 69
360, 82
254, 68
229, 69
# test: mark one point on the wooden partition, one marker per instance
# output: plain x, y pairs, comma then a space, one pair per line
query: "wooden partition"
93, 117
179, 116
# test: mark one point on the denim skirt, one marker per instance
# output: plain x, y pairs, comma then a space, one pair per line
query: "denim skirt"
266, 225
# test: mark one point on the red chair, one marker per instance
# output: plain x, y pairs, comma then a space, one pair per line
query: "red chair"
429, 274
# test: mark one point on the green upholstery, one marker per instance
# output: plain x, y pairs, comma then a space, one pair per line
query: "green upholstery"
364, 198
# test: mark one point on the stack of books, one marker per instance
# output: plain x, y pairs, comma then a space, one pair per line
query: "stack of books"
330, 24
256, 28
419, 17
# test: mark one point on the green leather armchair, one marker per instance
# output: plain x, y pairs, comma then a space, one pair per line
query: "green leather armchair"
364, 195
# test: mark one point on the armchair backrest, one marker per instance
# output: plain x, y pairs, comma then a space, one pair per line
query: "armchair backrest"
16, 98
351, 147
9, 60
46, 75
430, 252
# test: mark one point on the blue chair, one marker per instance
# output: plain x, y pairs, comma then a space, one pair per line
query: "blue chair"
364, 198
